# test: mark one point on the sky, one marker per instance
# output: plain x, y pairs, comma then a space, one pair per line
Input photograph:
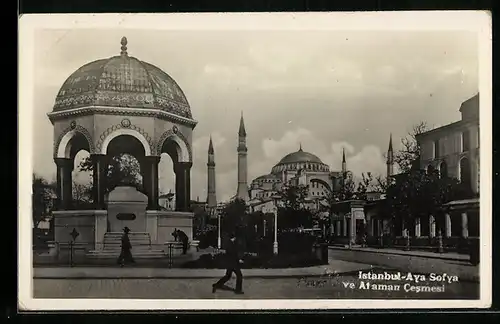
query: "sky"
327, 90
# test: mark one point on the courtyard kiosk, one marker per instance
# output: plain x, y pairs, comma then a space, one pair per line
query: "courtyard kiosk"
113, 106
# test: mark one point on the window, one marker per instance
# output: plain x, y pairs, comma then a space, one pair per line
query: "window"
443, 170
465, 171
465, 141
436, 149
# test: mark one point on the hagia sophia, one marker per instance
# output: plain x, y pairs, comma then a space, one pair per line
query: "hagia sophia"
296, 168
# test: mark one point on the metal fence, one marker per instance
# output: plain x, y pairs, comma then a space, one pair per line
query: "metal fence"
78, 253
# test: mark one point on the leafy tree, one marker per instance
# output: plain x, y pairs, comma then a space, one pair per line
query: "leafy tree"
82, 193
123, 169
367, 184
42, 192
293, 197
418, 193
233, 216
293, 212
409, 154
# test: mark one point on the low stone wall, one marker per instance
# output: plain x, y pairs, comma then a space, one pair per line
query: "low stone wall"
85, 222
168, 221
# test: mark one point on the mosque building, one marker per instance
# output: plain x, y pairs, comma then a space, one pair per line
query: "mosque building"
296, 168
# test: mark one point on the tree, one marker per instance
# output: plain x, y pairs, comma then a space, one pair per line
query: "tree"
293, 212
293, 197
409, 154
124, 169
42, 192
233, 216
82, 194
418, 193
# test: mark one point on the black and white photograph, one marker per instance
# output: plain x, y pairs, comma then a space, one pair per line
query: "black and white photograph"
255, 161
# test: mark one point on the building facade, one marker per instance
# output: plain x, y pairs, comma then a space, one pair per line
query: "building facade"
453, 149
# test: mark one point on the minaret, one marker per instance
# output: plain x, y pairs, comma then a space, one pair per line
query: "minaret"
211, 197
390, 159
242, 191
344, 164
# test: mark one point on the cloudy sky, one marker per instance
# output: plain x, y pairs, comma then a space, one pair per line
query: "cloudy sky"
324, 89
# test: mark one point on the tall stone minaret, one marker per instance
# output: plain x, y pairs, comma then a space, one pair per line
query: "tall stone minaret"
390, 159
211, 197
344, 164
242, 191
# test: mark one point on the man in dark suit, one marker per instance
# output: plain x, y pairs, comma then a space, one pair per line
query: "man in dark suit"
181, 237
125, 254
233, 264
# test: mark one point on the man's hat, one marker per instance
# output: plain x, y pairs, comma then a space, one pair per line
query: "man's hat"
232, 235
126, 229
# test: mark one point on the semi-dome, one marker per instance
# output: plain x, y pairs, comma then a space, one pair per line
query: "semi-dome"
122, 81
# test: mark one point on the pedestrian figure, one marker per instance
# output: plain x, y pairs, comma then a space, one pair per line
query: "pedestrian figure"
180, 236
125, 254
233, 264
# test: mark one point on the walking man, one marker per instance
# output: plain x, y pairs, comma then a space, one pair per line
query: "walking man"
233, 264
125, 254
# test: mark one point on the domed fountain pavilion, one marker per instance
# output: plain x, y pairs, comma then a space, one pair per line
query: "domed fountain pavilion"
113, 106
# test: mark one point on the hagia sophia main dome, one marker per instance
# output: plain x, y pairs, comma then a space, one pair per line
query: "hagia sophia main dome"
298, 168
300, 160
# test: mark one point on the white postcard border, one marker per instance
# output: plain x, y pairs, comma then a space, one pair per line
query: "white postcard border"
406, 21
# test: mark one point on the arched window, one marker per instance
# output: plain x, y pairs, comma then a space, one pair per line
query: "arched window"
430, 169
465, 176
443, 170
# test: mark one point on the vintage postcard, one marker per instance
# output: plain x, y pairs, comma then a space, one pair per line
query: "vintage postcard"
255, 161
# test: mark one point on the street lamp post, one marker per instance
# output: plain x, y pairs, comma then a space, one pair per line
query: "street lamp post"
218, 232
275, 244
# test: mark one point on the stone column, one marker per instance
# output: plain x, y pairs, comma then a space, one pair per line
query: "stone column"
432, 226
465, 225
344, 227
64, 183
338, 228
150, 180
417, 227
404, 230
182, 185
99, 162
447, 225
352, 229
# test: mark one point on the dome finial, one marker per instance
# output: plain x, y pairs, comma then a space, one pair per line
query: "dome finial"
124, 46
300, 146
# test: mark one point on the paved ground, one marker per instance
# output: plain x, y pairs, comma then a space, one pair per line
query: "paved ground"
451, 256
337, 280
287, 288
139, 271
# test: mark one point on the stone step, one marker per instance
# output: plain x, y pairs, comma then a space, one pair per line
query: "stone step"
142, 242
129, 234
115, 254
